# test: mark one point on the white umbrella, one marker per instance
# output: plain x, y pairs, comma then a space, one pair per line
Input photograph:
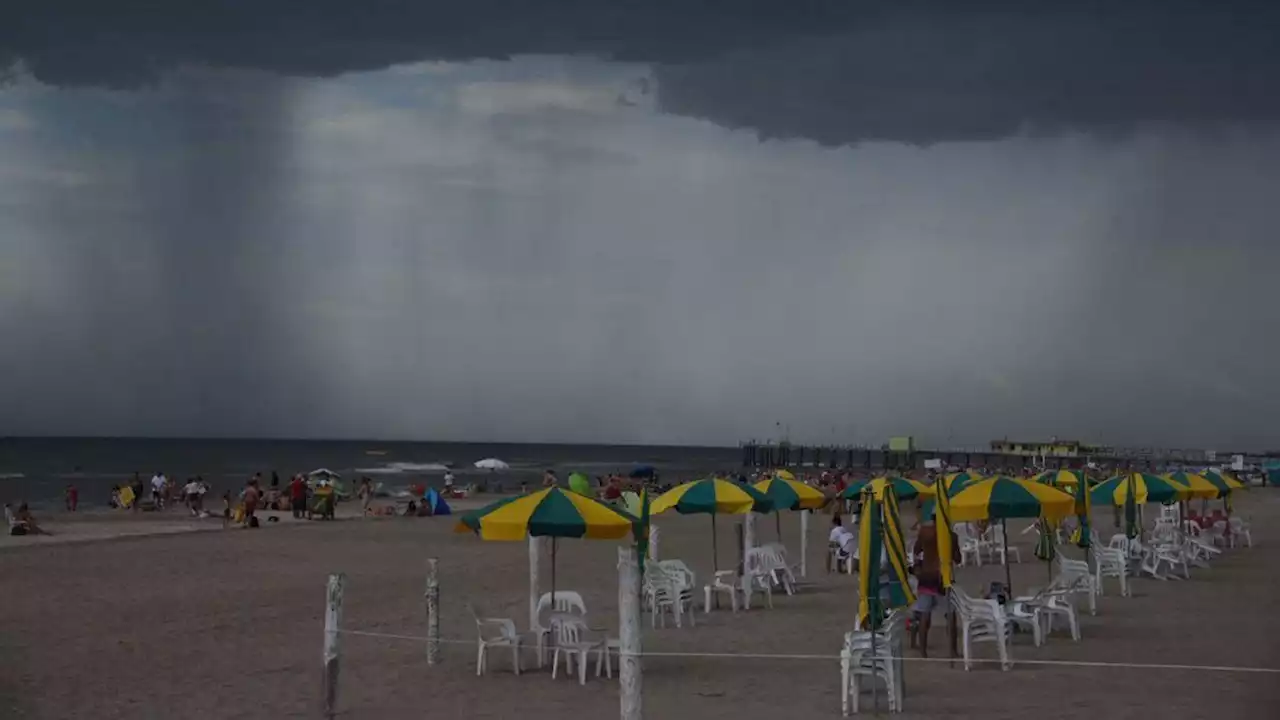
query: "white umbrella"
492, 464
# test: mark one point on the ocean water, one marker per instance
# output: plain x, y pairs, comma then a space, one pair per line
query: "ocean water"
37, 470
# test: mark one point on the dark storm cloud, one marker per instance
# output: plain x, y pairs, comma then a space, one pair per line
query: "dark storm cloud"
830, 70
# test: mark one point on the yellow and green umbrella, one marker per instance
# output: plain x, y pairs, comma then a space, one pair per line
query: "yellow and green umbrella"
1061, 478
1225, 483
1001, 498
789, 495
904, 488
1084, 509
1144, 488
880, 535
712, 497
955, 482
1198, 485
785, 475
552, 513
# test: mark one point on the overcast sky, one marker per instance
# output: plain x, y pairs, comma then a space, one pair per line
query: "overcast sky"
488, 222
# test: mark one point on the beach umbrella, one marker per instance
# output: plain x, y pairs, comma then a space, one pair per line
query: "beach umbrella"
491, 464
955, 482
1197, 484
904, 488
1131, 528
1001, 498
552, 513
712, 497
1061, 478
1225, 483
1145, 488
785, 475
580, 484
1084, 509
788, 494
881, 550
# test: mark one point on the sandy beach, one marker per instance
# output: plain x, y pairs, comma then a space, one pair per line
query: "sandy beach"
227, 624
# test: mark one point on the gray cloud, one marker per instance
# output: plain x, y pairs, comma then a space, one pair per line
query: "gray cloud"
502, 249
837, 72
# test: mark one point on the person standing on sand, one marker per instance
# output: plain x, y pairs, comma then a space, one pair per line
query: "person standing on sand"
929, 592
365, 493
73, 498
158, 482
448, 483
137, 492
251, 496
298, 497
549, 479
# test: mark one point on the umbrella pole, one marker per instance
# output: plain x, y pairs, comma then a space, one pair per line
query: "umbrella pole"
553, 573
777, 516
1004, 537
715, 555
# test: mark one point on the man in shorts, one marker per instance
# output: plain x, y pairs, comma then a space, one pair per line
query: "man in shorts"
158, 483
929, 593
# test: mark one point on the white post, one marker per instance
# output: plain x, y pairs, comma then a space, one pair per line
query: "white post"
332, 642
433, 612
654, 536
535, 549
748, 532
804, 543
630, 672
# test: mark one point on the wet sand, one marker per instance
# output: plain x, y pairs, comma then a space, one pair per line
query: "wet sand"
227, 624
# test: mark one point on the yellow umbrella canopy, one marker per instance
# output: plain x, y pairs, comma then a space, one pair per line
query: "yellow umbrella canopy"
547, 513
1003, 497
784, 474
791, 495
1197, 485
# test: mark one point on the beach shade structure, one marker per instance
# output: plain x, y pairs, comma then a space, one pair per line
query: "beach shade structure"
552, 513
435, 503
785, 475
903, 488
882, 551
1225, 484
712, 497
491, 464
580, 484
642, 471
1065, 479
1144, 488
788, 494
1198, 485
955, 482
1001, 498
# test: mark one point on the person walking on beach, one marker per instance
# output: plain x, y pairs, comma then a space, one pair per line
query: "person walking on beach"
137, 492
251, 496
365, 493
298, 497
158, 482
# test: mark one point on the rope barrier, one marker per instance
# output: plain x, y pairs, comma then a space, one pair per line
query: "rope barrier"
836, 657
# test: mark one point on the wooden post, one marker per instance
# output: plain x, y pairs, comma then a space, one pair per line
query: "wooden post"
804, 543
534, 553
332, 642
630, 671
433, 612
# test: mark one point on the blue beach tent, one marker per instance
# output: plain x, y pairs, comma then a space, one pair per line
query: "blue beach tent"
435, 501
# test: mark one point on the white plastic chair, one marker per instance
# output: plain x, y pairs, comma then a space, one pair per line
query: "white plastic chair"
839, 557
566, 601
724, 582
1111, 563
858, 661
981, 621
970, 546
668, 588
757, 577
997, 547
1078, 579
1038, 611
775, 558
1239, 528
495, 632
571, 642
